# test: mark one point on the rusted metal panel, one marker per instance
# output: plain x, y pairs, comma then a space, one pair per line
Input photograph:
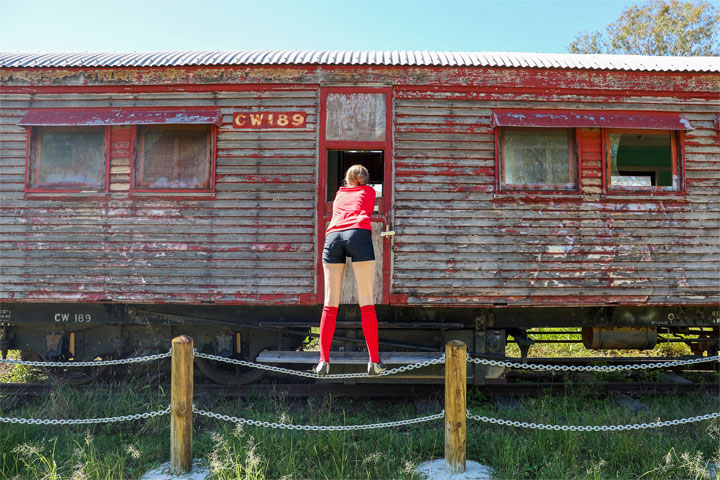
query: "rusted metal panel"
384, 58
125, 116
597, 119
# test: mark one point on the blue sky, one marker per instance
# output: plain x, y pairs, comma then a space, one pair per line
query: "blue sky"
460, 25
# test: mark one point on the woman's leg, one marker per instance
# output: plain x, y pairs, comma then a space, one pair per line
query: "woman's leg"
365, 280
333, 288
333, 283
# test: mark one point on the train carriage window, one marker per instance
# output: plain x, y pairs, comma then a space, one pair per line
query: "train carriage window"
176, 158
642, 160
67, 158
538, 159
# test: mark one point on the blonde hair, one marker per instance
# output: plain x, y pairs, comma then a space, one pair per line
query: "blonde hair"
356, 175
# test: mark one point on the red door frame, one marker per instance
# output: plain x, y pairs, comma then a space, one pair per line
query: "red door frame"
325, 145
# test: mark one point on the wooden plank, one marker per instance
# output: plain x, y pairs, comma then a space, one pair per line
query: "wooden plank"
455, 403
181, 408
358, 325
349, 288
345, 358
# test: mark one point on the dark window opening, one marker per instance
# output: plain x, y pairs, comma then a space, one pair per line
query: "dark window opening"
173, 158
338, 161
67, 158
641, 160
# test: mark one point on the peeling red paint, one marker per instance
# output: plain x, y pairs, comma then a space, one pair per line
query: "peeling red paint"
458, 240
273, 247
125, 116
591, 119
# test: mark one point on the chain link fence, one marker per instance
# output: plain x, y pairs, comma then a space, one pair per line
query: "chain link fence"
94, 363
591, 368
592, 428
317, 428
393, 371
85, 421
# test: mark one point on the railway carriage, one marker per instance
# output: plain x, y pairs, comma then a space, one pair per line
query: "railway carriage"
148, 195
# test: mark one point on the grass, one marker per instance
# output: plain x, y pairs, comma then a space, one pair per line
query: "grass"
127, 450
108, 451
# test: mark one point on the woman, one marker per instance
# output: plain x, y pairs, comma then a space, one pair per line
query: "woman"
350, 235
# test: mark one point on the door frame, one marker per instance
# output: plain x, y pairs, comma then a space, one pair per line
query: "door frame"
384, 216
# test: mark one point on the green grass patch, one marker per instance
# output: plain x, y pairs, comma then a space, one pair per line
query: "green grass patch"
545, 350
19, 373
127, 450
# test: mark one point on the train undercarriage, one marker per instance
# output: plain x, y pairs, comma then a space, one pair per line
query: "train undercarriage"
284, 335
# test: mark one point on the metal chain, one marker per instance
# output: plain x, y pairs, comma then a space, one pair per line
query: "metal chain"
590, 368
85, 421
316, 428
591, 428
299, 373
95, 363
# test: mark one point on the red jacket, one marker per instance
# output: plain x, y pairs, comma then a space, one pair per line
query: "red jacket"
352, 208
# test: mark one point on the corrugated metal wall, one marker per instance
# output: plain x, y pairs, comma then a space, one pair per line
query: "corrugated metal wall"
251, 242
460, 241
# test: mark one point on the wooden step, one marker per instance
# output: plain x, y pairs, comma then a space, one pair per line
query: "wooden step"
358, 325
345, 358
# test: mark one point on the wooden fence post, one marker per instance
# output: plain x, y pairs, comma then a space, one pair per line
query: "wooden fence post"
181, 395
455, 392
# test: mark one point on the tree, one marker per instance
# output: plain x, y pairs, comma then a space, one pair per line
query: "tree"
657, 27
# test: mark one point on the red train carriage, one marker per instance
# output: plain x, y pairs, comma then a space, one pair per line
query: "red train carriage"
147, 195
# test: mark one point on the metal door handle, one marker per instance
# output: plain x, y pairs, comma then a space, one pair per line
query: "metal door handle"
387, 232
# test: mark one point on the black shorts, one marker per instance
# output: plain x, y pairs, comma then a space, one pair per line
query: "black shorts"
355, 243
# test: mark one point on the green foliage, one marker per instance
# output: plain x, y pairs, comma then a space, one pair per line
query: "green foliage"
19, 373
657, 27
662, 349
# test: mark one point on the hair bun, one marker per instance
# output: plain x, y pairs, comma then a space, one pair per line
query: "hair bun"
356, 175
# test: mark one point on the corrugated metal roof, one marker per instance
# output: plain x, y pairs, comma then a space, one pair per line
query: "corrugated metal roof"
385, 57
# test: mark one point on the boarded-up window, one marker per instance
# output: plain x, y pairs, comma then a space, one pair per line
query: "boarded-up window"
540, 158
173, 158
642, 159
63, 158
356, 117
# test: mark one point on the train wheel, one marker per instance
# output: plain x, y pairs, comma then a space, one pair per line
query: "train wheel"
150, 372
235, 375
68, 375
227, 374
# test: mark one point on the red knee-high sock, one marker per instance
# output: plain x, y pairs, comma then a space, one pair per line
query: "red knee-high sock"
370, 330
327, 330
